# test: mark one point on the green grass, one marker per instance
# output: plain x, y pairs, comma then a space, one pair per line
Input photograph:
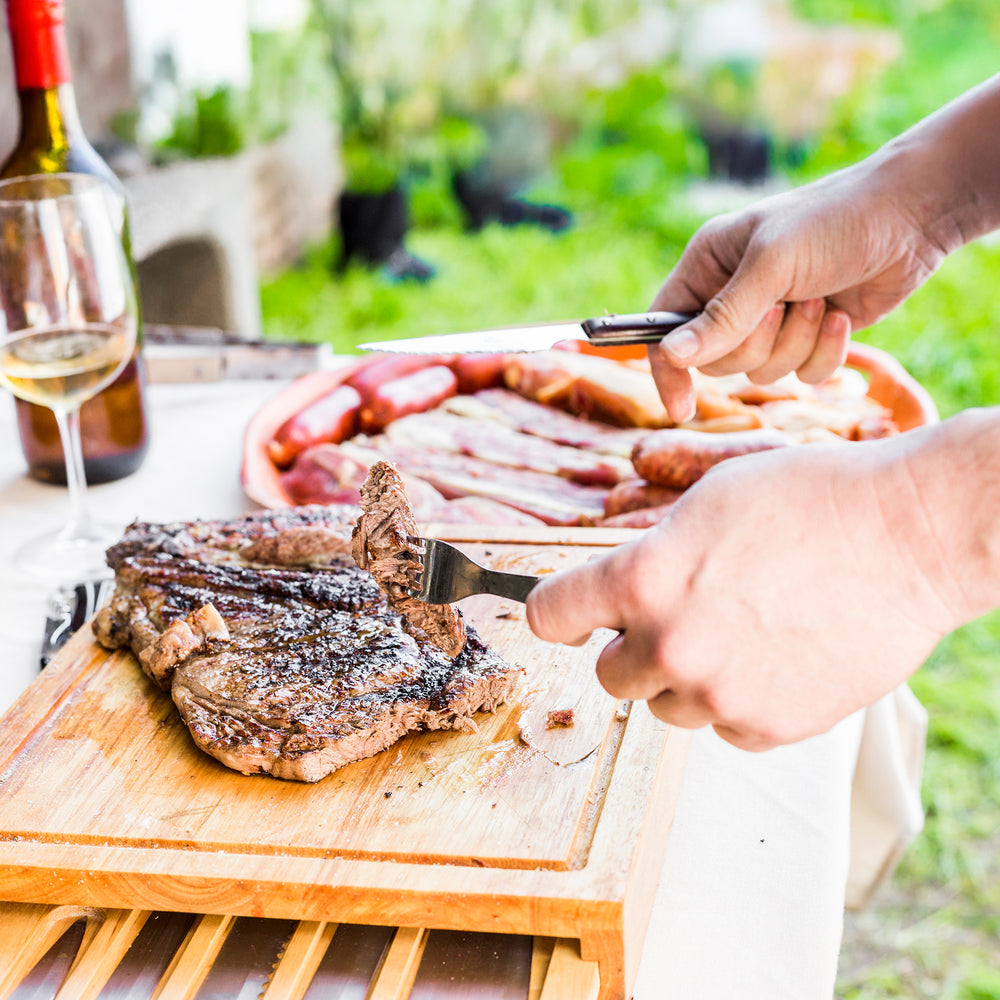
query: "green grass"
933, 931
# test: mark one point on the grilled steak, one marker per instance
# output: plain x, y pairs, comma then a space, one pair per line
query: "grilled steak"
281, 655
380, 544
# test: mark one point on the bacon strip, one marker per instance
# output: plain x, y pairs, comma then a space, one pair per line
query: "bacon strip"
552, 499
503, 445
543, 421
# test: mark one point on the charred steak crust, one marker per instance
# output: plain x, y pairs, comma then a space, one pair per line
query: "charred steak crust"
380, 544
303, 536
293, 669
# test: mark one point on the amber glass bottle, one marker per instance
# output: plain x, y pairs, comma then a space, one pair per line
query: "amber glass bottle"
51, 140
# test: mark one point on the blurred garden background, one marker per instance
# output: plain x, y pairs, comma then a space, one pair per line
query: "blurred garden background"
511, 161
640, 120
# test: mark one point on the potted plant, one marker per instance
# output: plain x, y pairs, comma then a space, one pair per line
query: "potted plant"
389, 108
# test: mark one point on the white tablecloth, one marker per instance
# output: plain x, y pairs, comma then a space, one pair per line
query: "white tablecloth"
764, 848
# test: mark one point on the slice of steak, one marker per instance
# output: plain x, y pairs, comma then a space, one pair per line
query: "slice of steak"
292, 669
154, 593
300, 707
300, 536
381, 545
243, 568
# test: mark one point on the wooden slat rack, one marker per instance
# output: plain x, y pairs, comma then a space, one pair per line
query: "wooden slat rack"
78, 953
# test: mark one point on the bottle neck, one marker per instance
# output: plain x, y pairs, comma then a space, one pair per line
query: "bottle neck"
49, 118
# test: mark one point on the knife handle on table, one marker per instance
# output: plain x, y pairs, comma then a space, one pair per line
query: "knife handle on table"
633, 328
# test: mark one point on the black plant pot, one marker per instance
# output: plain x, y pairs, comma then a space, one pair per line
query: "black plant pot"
373, 227
738, 154
485, 201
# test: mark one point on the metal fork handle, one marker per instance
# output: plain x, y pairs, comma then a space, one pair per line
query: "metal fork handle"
516, 586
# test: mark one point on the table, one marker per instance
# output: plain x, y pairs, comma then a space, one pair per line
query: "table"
765, 848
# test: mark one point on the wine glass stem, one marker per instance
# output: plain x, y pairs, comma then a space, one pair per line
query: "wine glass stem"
79, 523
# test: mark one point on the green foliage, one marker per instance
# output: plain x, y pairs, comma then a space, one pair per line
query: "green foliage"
948, 47
415, 81
213, 124
489, 279
290, 76
881, 12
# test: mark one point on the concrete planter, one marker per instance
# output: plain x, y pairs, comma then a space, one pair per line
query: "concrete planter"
204, 230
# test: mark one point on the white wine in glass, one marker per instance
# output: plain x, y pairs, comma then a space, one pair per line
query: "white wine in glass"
68, 320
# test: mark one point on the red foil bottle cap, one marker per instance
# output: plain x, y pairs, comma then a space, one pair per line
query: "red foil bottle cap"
38, 40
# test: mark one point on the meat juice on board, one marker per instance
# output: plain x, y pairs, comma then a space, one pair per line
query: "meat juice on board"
51, 140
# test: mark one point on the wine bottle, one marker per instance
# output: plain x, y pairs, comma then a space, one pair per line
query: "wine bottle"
114, 425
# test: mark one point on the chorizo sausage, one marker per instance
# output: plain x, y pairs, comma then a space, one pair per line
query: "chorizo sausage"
369, 379
478, 371
414, 393
333, 417
637, 494
678, 458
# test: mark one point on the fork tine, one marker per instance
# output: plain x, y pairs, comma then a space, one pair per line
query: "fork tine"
444, 574
415, 571
449, 574
414, 577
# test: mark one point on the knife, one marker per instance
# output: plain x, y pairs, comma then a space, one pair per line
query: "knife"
612, 330
207, 354
68, 608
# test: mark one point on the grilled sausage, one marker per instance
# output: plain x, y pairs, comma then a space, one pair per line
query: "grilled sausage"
677, 458
637, 494
413, 393
478, 371
369, 379
333, 417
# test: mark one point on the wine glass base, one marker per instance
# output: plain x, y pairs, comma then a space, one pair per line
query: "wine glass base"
60, 559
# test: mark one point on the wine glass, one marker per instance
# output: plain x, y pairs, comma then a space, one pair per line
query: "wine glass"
68, 320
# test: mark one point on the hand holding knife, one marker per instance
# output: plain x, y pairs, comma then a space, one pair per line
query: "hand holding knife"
613, 330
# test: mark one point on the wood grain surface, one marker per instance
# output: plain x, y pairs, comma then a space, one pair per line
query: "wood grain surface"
517, 828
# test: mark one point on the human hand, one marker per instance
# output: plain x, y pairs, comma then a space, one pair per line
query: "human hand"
785, 591
782, 284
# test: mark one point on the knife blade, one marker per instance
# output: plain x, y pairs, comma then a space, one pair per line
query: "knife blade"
604, 331
68, 608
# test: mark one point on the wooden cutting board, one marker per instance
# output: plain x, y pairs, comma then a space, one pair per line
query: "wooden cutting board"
519, 828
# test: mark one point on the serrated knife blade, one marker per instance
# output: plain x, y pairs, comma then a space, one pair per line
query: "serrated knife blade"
606, 331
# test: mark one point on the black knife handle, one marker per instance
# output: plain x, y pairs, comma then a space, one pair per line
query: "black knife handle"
633, 328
